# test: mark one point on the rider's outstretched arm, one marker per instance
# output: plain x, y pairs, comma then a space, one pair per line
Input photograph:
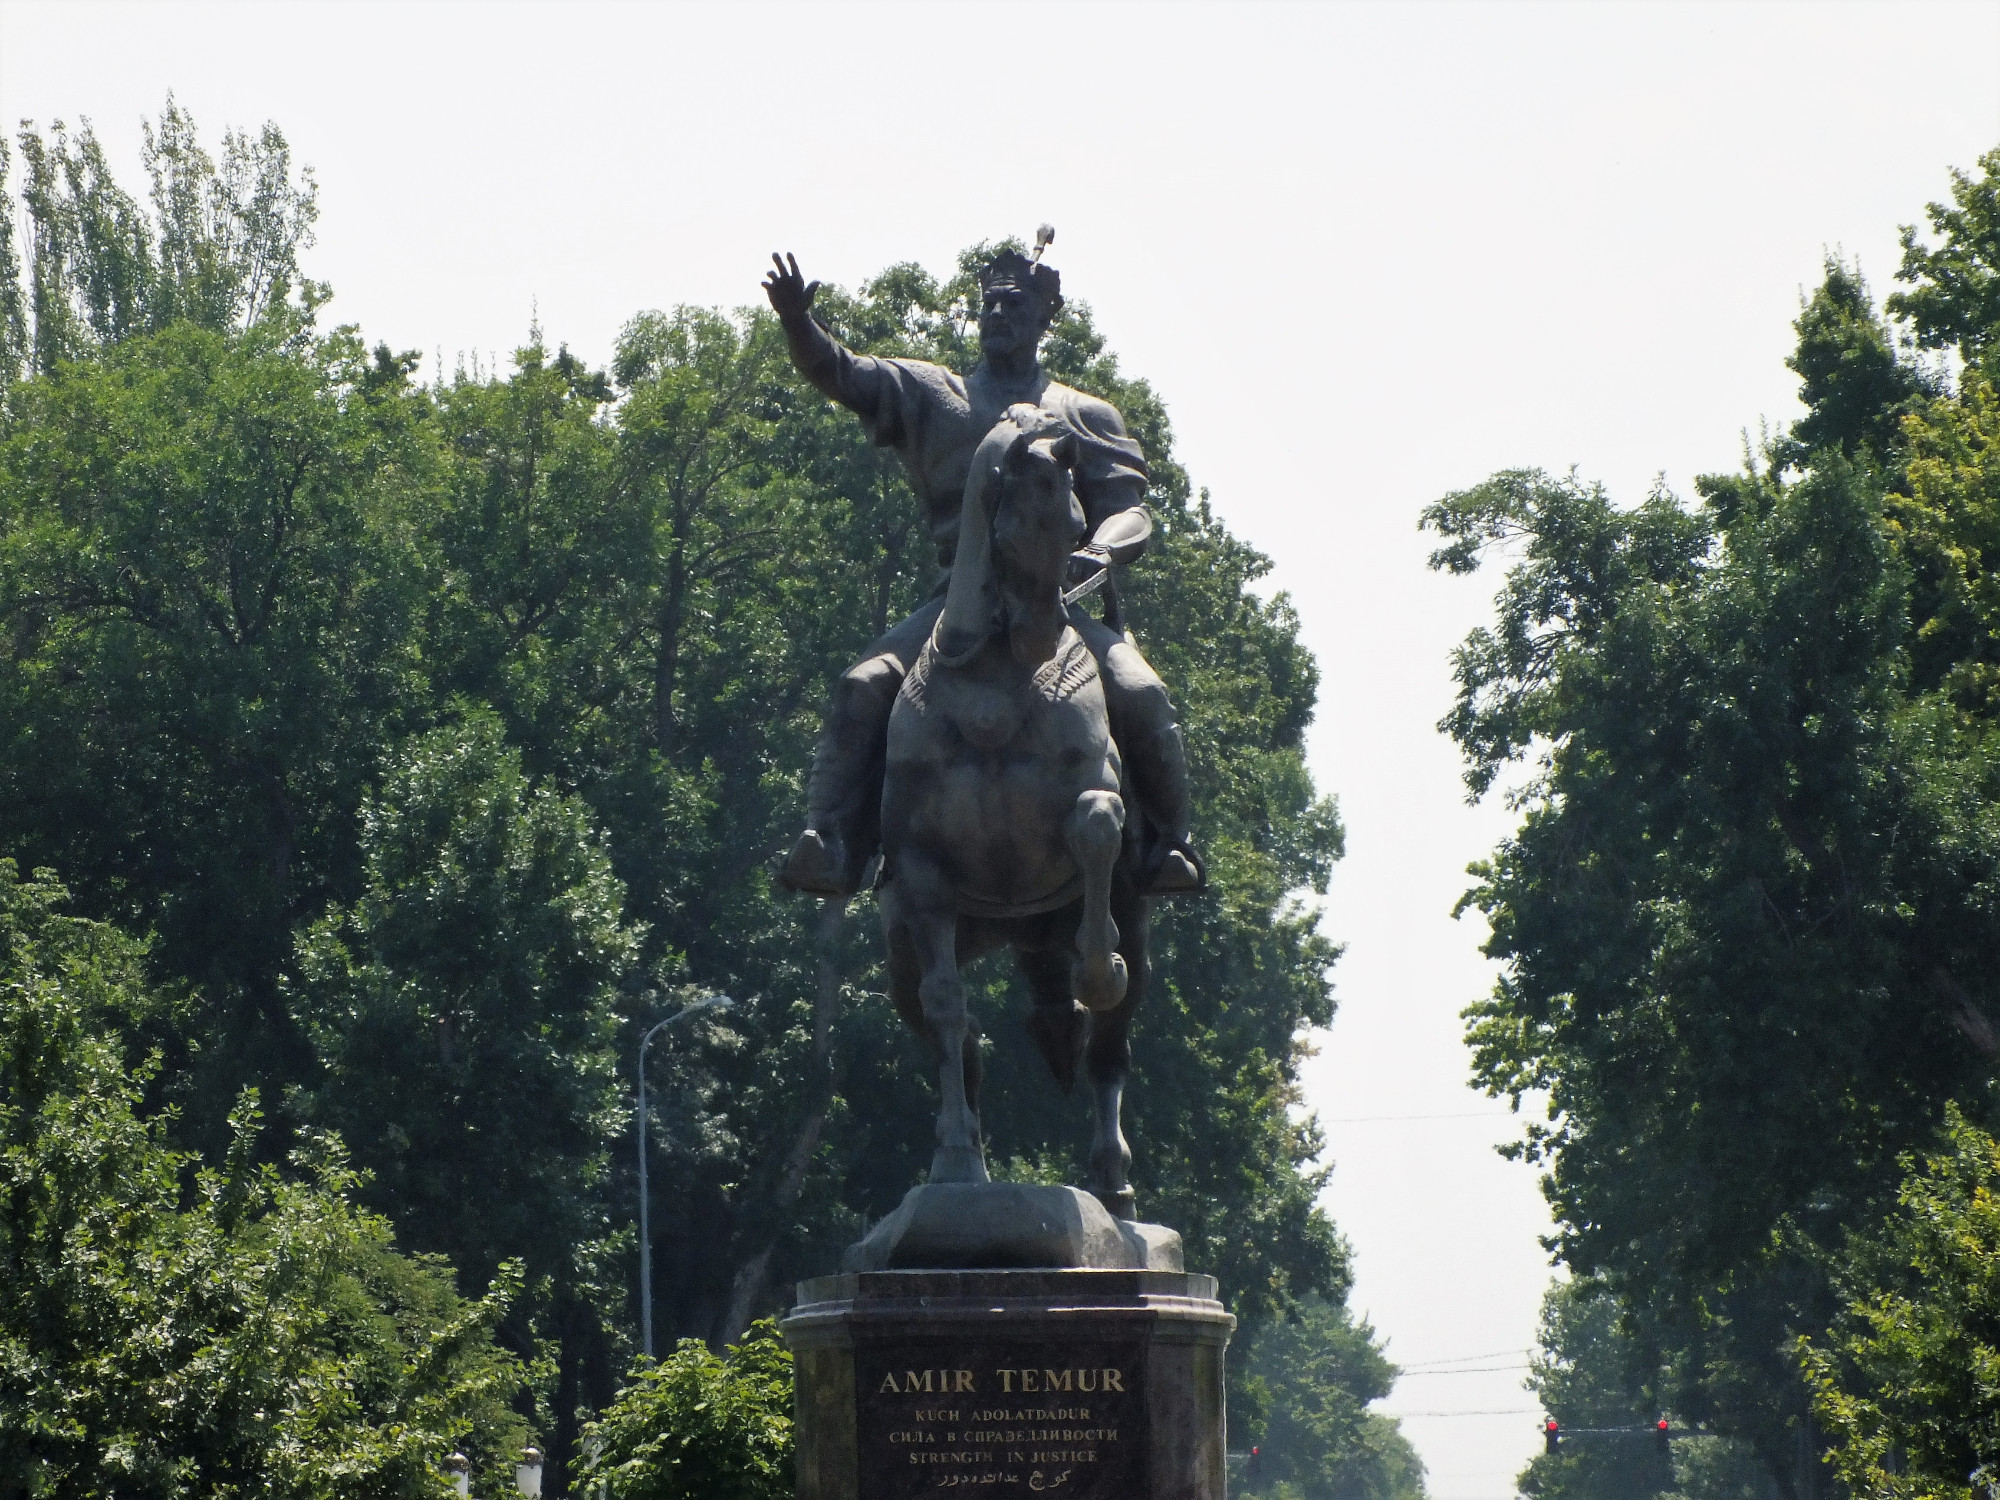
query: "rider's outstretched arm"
834, 370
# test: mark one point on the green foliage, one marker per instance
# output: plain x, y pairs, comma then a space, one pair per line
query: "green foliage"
442, 735
1589, 1374
219, 248
1307, 1382
209, 636
14, 345
1953, 299
1947, 531
1906, 1383
463, 1010
1855, 388
168, 1330
1748, 920
698, 1426
1603, 1384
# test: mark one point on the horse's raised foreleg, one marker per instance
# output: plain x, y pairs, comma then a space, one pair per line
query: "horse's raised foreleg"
1108, 1060
932, 931
1095, 834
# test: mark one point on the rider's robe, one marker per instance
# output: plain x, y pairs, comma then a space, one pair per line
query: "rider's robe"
934, 420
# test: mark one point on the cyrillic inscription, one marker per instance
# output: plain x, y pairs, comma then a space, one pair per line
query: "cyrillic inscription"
1016, 1418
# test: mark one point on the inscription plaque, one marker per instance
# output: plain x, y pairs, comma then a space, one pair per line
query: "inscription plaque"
1082, 1384
1002, 1418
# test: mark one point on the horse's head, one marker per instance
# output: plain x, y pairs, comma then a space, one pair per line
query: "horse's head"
1037, 524
1019, 523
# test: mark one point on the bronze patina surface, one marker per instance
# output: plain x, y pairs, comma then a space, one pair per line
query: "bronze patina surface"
1013, 758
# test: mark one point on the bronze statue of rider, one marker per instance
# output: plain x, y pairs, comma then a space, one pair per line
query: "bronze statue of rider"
935, 419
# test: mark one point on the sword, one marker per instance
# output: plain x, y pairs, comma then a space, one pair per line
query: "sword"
1089, 585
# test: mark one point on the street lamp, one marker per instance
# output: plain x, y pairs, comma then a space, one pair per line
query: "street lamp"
717, 1002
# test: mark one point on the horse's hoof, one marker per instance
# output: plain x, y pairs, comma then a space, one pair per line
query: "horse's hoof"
958, 1164
1100, 987
1122, 1203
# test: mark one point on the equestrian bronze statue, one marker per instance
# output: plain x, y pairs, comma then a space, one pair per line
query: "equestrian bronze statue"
1013, 758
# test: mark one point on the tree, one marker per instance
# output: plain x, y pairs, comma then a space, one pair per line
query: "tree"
463, 1012
14, 345
1953, 301
1746, 920
219, 249
1603, 1384
1590, 1374
168, 1330
1855, 386
208, 603
1903, 1381
1308, 1380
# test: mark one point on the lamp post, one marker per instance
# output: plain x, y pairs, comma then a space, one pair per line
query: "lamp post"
717, 1002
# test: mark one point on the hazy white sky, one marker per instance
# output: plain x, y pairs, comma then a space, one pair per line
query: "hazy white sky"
1368, 253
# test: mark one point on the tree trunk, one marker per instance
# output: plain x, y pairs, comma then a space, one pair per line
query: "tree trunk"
1973, 1023
667, 664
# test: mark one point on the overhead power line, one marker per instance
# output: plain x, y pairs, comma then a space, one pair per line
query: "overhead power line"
1469, 1370
1463, 1359
1498, 1411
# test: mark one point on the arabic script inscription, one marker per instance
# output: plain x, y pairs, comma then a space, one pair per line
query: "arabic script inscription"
1007, 1418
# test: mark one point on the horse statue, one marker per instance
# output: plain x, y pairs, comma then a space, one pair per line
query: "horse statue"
1002, 818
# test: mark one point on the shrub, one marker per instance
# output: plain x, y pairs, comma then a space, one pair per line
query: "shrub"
698, 1426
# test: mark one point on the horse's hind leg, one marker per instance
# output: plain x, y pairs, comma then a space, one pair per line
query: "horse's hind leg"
1095, 834
1108, 1060
930, 929
906, 977
1058, 1024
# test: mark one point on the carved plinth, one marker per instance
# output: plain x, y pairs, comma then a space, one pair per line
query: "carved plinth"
1099, 1385
1010, 1226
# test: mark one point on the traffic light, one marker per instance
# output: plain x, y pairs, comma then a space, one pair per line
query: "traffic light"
1662, 1435
1552, 1435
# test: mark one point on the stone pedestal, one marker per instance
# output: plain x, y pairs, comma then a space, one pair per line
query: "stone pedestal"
951, 1226
1096, 1384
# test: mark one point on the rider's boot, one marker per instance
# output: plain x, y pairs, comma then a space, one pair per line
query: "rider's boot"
820, 865
1158, 766
844, 796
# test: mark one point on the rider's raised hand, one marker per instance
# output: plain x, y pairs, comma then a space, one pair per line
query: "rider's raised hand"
790, 293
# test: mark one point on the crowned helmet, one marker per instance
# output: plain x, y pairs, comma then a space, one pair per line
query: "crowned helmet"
1041, 283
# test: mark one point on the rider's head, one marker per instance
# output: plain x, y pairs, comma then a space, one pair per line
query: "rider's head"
1018, 299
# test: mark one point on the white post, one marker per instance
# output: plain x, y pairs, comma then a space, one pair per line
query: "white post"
528, 1473
460, 1469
